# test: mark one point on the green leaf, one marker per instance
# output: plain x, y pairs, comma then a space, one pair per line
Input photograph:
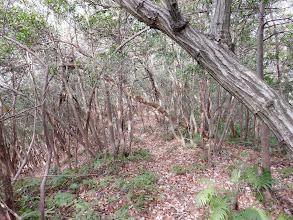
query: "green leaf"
219, 214
235, 176
286, 172
204, 197
64, 199
251, 214
283, 216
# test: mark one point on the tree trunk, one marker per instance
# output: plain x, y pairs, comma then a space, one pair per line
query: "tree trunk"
220, 26
77, 117
224, 67
48, 144
5, 171
109, 117
246, 125
264, 131
241, 123
87, 108
130, 122
228, 121
120, 116
101, 119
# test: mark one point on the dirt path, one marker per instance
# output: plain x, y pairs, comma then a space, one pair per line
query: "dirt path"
179, 190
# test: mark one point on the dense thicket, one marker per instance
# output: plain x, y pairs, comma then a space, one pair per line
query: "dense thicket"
105, 67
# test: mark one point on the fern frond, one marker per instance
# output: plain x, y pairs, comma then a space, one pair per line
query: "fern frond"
264, 180
204, 197
235, 176
251, 214
283, 216
251, 176
223, 201
220, 214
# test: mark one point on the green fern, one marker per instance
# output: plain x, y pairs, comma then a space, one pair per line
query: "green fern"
259, 182
204, 197
235, 176
219, 204
283, 216
251, 214
220, 214
286, 172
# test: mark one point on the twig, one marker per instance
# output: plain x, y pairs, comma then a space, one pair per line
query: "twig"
4, 206
131, 38
280, 32
20, 113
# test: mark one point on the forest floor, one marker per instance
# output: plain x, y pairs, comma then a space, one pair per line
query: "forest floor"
159, 179
183, 173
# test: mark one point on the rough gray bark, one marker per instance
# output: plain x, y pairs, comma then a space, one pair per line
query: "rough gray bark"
179, 22
224, 67
220, 25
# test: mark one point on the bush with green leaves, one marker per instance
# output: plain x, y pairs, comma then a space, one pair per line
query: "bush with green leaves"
141, 154
167, 136
27, 194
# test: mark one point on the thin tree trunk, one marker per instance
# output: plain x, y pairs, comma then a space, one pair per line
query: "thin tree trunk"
109, 117
120, 116
264, 131
228, 120
203, 83
219, 114
49, 147
87, 108
80, 127
241, 122
24, 162
277, 53
141, 116
246, 124
56, 152
130, 122
101, 119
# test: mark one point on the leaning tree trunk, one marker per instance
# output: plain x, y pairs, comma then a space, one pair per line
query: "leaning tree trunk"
223, 66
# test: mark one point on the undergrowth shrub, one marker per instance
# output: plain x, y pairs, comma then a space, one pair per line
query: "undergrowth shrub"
141, 189
259, 182
141, 154
27, 194
181, 169
286, 172
222, 203
167, 136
